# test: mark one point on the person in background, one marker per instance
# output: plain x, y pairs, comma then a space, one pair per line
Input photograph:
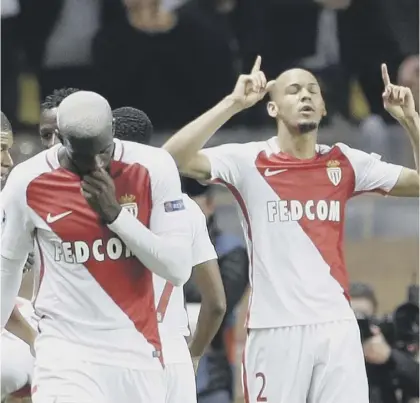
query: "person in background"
388, 368
408, 76
58, 40
215, 376
160, 59
48, 118
132, 124
10, 49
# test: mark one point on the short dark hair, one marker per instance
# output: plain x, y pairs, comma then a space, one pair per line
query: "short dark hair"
133, 125
362, 290
54, 100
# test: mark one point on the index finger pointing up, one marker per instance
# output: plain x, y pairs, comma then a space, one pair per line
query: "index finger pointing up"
257, 65
385, 75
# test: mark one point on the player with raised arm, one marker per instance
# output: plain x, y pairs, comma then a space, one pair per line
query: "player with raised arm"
303, 341
107, 214
134, 125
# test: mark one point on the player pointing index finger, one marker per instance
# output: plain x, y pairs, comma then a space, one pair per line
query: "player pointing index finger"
257, 65
385, 75
292, 193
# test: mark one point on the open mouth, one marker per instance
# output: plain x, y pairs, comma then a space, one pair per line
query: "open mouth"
307, 108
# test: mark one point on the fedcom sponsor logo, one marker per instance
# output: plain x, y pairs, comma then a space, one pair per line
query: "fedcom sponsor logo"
294, 210
81, 251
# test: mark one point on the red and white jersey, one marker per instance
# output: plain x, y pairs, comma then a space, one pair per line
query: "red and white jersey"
169, 300
96, 300
293, 220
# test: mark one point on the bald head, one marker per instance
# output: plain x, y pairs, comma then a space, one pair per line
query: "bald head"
296, 101
293, 76
84, 115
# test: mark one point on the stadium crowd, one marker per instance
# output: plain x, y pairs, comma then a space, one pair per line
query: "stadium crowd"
174, 59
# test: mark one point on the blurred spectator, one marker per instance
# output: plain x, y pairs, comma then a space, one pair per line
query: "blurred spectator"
363, 299
393, 373
167, 64
363, 49
240, 24
408, 76
290, 29
403, 21
10, 10
58, 37
215, 372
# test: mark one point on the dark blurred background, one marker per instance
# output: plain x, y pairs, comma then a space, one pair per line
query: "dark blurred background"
176, 58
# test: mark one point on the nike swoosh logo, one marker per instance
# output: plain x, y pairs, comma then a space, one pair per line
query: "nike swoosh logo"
54, 218
268, 172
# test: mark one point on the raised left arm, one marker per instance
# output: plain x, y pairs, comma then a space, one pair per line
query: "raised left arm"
399, 103
407, 184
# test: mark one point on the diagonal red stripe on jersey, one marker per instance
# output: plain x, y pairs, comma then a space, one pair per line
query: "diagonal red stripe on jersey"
164, 301
307, 181
128, 283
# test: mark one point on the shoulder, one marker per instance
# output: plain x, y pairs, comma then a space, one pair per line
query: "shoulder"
152, 158
189, 203
355, 155
239, 151
197, 216
26, 172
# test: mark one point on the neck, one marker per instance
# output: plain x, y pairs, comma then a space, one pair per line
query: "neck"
65, 161
301, 146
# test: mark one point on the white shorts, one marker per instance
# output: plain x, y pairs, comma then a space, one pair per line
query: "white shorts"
180, 383
85, 382
321, 363
17, 364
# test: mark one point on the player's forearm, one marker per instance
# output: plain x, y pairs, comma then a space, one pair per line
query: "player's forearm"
213, 306
184, 144
11, 278
168, 257
208, 323
18, 326
412, 127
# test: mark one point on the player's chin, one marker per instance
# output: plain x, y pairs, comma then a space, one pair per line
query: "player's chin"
307, 125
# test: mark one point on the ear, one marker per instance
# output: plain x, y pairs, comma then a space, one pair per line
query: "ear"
324, 110
272, 109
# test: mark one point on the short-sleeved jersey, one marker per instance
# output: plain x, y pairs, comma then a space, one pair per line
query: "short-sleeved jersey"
94, 295
293, 219
170, 300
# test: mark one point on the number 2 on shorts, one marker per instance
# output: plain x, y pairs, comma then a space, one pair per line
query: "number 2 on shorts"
164, 301
261, 397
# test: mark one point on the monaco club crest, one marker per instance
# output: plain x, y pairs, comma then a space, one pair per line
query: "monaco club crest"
128, 202
334, 172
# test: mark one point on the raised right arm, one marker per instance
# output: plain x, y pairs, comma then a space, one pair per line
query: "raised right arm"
185, 145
